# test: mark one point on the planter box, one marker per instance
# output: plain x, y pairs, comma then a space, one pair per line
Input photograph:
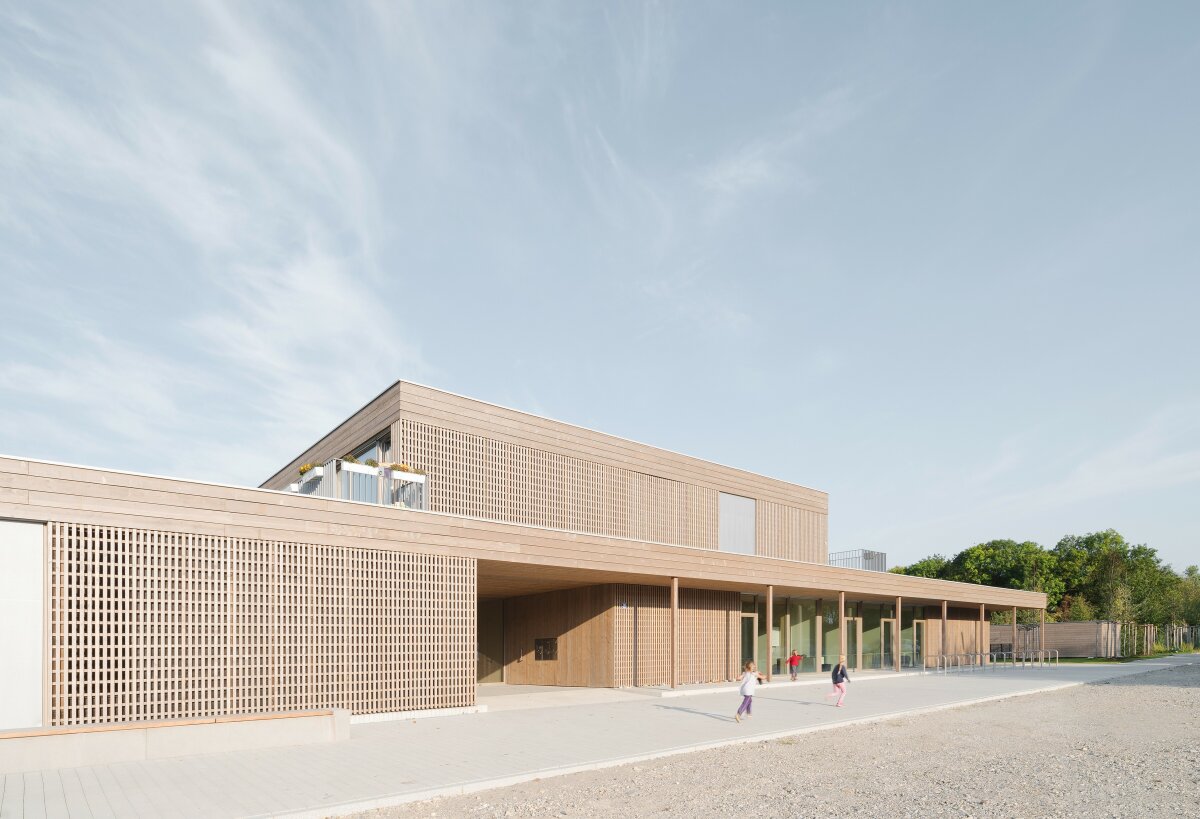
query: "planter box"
361, 469
315, 472
397, 475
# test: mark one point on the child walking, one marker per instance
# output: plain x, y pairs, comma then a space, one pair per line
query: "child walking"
840, 678
794, 663
750, 680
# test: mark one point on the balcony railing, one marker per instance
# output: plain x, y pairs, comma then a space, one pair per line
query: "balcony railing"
859, 559
383, 485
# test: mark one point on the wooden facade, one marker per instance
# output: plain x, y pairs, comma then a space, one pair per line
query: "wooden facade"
964, 632
1087, 638
628, 628
170, 598
499, 464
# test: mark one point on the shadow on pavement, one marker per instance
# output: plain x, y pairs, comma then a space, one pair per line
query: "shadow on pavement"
697, 712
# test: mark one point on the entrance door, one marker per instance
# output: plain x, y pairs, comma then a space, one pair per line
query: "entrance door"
887, 646
749, 638
489, 633
854, 642
918, 644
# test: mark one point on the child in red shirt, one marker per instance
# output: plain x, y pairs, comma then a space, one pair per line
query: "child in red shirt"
794, 664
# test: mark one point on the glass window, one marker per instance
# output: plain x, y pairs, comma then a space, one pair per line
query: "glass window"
376, 450
735, 524
545, 648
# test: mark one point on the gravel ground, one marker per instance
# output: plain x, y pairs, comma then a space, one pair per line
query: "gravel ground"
1123, 748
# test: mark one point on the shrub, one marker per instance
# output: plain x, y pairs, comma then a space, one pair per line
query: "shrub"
306, 468
371, 462
349, 459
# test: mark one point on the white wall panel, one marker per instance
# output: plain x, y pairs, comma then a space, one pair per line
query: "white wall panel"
736, 524
22, 619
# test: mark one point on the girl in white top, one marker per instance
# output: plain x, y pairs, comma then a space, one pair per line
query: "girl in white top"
751, 679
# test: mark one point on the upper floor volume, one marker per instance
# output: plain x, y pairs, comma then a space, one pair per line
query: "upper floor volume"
422, 448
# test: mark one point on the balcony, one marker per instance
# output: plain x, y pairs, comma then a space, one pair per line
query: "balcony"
859, 559
383, 485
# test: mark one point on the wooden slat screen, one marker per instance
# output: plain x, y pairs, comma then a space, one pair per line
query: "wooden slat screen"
709, 635
497, 480
148, 625
790, 533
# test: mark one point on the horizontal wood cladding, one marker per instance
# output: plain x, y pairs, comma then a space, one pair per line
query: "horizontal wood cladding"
790, 533
448, 411
496, 463
150, 625
1088, 638
375, 417
579, 620
479, 477
36, 490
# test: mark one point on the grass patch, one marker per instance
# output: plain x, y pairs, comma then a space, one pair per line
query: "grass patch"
1123, 659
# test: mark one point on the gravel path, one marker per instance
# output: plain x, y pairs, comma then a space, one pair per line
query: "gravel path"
1122, 748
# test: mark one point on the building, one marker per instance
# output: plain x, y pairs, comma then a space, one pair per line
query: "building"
435, 537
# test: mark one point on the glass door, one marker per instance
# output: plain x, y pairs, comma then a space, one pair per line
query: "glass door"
918, 644
779, 639
749, 638
887, 646
854, 643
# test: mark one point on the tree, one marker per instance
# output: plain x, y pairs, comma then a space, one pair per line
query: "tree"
929, 567
1094, 576
1011, 565
1076, 608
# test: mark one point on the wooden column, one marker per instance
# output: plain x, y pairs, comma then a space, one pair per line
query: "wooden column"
896, 635
770, 628
1014, 634
842, 623
819, 649
674, 630
945, 627
1042, 632
982, 649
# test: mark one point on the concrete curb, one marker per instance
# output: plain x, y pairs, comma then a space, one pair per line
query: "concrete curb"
773, 686
394, 716
347, 808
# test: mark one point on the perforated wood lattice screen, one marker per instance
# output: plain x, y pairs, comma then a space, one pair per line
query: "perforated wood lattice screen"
159, 625
481, 477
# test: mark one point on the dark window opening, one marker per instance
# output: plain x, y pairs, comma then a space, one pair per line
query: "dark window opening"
545, 648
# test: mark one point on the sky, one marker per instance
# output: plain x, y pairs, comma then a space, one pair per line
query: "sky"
938, 260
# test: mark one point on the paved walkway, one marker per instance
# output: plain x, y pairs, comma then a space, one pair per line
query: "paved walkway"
389, 763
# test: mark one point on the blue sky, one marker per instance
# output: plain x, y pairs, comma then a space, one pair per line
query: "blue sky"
937, 260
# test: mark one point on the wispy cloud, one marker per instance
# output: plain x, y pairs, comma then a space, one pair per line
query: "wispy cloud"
268, 210
1164, 451
775, 159
1161, 452
690, 297
643, 43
